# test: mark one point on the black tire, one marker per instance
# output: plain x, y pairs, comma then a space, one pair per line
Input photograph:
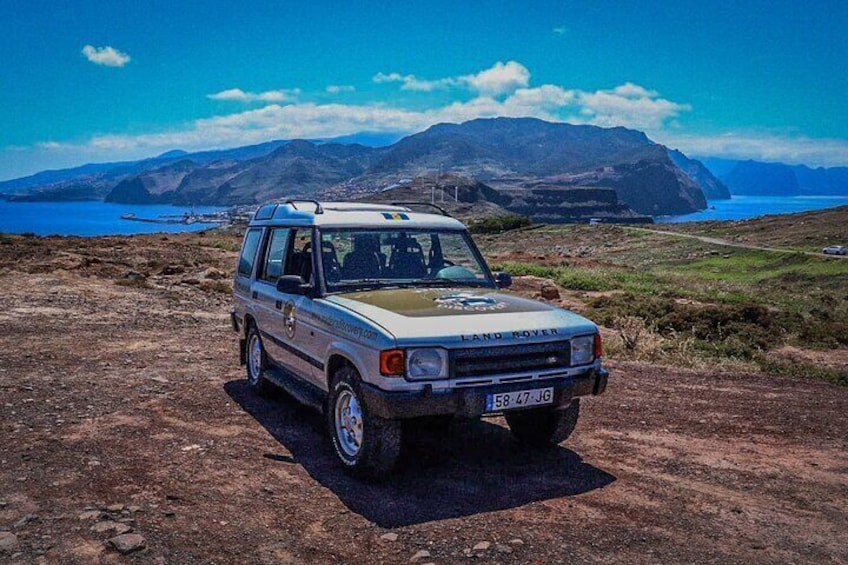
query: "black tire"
256, 362
367, 446
543, 427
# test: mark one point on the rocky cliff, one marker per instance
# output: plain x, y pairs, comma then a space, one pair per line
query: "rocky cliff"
779, 179
711, 186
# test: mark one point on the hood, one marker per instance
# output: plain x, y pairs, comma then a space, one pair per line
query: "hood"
462, 315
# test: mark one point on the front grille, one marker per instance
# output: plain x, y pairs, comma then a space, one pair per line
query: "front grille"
509, 359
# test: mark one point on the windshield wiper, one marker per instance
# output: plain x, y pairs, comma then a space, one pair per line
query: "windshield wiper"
366, 283
442, 282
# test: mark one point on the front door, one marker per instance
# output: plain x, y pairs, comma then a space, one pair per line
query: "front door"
287, 338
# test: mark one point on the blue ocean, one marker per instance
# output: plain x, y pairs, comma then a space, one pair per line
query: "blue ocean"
100, 218
747, 207
93, 218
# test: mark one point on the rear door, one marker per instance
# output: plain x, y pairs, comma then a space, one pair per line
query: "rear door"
268, 305
242, 285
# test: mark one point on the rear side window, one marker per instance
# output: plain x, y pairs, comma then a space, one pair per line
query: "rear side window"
248, 252
276, 254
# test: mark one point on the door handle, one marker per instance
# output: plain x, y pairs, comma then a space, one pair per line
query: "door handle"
254, 295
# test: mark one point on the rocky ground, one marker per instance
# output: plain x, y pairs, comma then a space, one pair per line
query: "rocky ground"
127, 435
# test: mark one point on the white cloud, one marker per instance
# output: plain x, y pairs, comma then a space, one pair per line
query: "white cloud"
500, 78
630, 90
501, 90
338, 88
629, 105
106, 56
411, 82
560, 30
239, 95
794, 150
312, 120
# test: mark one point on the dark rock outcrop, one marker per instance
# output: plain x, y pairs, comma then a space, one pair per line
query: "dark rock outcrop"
652, 187
558, 203
712, 187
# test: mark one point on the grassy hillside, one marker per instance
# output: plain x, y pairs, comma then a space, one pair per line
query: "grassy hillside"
683, 301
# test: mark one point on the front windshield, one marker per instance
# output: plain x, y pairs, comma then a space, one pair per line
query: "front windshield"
358, 259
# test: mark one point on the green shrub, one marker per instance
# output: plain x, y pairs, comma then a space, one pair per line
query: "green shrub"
499, 224
823, 333
827, 374
725, 330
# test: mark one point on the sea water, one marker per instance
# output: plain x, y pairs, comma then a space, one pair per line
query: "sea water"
746, 207
93, 218
101, 218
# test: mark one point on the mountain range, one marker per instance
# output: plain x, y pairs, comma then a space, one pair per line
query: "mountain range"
756, 178
505, 153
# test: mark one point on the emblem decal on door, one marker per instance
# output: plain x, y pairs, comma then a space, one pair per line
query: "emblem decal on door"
289, 319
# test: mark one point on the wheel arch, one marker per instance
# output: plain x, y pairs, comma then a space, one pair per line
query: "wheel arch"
249, 322
336, 362
341, 353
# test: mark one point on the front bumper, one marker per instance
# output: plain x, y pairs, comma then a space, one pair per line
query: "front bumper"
471, 402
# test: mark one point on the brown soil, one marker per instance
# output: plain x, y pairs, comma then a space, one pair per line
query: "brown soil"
127, 400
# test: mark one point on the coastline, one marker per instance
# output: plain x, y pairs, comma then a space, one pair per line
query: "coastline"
741, 207
98, 218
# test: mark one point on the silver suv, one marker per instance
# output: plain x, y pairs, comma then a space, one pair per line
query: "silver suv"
378, 314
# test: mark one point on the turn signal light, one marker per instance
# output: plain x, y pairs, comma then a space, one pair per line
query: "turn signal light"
599, 348
392, 362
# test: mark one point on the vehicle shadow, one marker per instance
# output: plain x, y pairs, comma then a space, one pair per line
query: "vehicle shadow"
471, 468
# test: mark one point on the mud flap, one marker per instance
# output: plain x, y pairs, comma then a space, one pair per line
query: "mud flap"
601, 376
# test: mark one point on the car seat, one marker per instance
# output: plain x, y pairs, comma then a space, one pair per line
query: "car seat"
363, 262
407, 260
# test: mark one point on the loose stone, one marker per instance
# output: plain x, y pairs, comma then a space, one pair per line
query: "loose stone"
127, 543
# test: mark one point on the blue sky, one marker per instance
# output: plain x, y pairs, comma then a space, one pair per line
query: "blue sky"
97, 81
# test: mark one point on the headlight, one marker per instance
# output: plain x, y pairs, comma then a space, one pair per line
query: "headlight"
582, 350
426, 363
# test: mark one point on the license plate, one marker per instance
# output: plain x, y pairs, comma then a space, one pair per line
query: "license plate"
519, 399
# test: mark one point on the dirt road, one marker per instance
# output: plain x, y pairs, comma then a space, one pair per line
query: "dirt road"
124, 403
726, 243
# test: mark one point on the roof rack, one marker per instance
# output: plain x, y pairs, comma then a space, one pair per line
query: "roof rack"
441, 210
360, 207
293, 204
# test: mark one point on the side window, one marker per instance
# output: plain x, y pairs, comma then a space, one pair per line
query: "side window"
299, 260
248, 251
275, 254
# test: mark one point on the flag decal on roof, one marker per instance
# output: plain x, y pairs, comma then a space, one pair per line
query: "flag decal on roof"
395, 216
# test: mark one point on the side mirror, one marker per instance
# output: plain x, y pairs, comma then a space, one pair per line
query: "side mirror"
292, 284
504, 280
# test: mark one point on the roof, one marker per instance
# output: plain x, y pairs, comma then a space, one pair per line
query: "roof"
349, 215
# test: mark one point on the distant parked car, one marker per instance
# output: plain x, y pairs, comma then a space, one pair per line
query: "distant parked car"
835, 250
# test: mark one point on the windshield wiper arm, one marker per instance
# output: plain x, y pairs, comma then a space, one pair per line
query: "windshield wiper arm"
452, 282
365, 283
